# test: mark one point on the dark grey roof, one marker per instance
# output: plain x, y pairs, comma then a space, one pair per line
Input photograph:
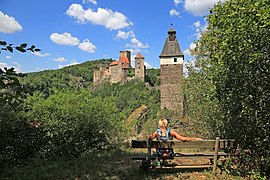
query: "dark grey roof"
171, 48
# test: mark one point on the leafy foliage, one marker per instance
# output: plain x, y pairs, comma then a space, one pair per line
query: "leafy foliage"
153, 77
129, 96
74, 77
22, 48
19, 141
200, 104
234, 57
74, 122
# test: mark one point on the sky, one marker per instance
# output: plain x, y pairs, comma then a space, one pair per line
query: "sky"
70, 32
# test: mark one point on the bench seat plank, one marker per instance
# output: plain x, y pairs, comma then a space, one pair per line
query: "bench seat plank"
187, 167
200, 154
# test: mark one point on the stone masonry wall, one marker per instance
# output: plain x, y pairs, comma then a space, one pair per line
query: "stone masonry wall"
170, 87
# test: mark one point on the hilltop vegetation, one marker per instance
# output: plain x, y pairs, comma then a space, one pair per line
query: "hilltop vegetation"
74, 77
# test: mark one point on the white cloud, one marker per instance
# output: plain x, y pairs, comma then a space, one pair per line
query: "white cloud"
88, 46
176, 2
8, 24
91, 1
135, 43
192, 46
2, 65
60, 59
200, 7
105, 17
65, 39
70, 64
149, 66
187, 52
197, 24
40, 54
173, 12
125, 35
8, 57
199, 28
17, 66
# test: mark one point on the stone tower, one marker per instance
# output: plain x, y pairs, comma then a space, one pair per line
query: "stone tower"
171, 74
139, 67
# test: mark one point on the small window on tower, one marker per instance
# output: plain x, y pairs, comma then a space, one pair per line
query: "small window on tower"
175, 59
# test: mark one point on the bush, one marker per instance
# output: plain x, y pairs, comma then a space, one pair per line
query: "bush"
75, 122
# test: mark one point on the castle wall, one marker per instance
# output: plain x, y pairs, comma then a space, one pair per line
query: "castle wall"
114, 74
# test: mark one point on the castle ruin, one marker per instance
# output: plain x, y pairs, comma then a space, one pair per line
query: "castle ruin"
118, 71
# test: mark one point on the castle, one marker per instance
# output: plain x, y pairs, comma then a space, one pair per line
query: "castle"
118, 71
171, 72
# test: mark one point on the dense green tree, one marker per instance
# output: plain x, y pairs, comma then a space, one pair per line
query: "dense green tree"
130, 96
153, 77
200, 104
74, 122
235, 49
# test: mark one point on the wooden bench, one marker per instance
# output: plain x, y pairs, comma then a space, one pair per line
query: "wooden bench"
211, 149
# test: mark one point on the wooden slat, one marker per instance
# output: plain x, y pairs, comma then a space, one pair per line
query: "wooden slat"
187, 167
216, 154
200, 154
139, 144
208, 144
139, 158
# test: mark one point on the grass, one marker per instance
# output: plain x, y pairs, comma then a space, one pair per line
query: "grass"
95, 166
100, 165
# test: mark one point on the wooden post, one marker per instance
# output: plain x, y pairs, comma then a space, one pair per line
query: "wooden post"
216, 155
149, 145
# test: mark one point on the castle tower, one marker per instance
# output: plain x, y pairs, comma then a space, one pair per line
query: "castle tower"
171, 74
125, 54
139, 67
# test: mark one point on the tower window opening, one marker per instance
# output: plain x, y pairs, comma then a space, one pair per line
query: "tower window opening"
175, 59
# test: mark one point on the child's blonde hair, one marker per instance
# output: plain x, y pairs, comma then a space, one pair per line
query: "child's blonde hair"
163, 123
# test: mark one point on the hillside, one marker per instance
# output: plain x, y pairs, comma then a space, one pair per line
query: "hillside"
69, 78
74, 77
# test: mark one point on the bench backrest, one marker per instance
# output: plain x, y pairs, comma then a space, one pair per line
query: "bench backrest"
207, 144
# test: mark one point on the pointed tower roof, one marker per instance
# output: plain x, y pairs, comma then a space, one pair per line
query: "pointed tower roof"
171, 47
139, 56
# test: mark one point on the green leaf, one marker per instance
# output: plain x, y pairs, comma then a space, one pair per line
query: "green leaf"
10, 49
29, 49
3, 43
23, 45
20, 49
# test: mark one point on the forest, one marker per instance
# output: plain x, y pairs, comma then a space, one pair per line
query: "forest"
57, 114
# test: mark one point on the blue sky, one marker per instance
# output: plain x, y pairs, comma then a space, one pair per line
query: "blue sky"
74, 31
